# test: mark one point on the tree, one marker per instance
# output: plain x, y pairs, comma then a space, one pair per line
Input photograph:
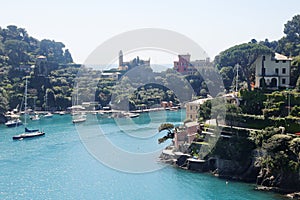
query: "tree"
3, 101
166, 126
252, 101
212, 109
205, 111
68, 57
169, 127
16, 51
232, 113
245, 55
227, 75
292, 29
290, 43
295, 72
272, 45
295, 147
52, 50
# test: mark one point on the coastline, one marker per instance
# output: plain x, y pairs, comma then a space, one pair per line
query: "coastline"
177, 158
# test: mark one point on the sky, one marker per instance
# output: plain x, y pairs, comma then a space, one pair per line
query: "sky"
213, 24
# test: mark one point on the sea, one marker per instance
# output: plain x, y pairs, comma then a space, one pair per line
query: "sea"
62, 165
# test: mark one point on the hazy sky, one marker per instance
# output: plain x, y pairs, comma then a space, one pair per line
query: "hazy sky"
214, 24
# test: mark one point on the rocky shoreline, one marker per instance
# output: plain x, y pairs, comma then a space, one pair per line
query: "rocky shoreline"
226, 169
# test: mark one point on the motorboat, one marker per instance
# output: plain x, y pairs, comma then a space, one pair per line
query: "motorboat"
13, 123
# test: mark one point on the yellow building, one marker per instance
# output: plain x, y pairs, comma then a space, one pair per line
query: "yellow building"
193, 107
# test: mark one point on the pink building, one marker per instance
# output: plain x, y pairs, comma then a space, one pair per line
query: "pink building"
185, 66
185, 134
183, 63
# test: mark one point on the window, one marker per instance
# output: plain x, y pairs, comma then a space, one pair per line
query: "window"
276, 71
277, 61
283, 70
283, 81
284, 61
191, 116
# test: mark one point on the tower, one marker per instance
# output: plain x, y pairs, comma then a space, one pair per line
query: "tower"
120, 58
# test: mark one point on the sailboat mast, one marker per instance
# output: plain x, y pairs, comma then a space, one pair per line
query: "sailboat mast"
46, 101
77, 95
25, 104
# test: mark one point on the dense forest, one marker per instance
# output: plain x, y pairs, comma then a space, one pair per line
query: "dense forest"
47, 64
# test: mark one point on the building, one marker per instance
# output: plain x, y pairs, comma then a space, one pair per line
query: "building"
272, 71
124, 66
41, 66
111, 75
185, 66
185, 134
166, 104
193, 107
182, 64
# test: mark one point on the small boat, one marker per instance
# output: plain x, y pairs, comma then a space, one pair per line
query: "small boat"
28, 135
78, 119
48, 115
13, 123
62, 113
132, 115
35, 117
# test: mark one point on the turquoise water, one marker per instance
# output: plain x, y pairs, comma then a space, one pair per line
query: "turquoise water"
58, 166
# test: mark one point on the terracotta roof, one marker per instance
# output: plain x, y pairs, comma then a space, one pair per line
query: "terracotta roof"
281, 57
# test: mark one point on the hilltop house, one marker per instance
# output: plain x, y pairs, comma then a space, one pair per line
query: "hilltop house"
272, 71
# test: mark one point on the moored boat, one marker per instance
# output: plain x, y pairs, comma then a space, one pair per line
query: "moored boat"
28, 135
79, 118
13, 123
48, 115
35, 117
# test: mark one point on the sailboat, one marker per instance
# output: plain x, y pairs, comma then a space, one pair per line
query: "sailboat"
49, 114
78, 118
35, 117
28, 133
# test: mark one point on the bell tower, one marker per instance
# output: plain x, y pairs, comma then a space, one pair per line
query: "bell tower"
120, 58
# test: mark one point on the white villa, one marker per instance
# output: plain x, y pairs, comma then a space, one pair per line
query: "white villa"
275, 70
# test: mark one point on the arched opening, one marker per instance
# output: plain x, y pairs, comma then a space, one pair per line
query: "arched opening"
273, 82
262, 82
